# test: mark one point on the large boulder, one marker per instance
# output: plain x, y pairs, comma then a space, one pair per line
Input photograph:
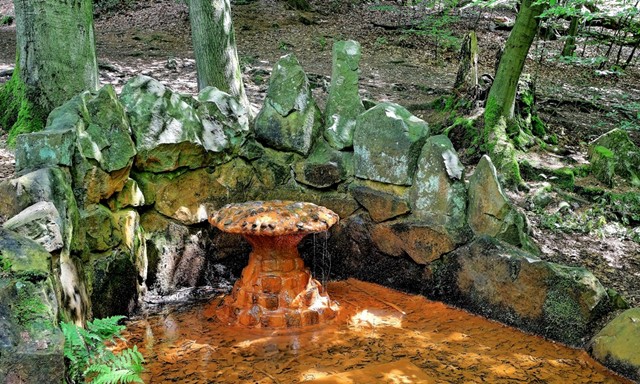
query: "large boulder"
173, 131
90, 134
387, 142
382, 201
106, 137
100, 227
324, 167
45, 148
499, 281
176, 253
289, 119
438, 194
615, 158
44, 185
188, 197
225, 120
31, 344
343, 104
491, 213
422, 241
616, 345
40, 222
116, 262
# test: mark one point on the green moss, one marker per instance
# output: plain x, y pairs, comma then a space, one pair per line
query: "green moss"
564, 177
564, 318
29, 308
603, 151
6, 20
20, 114
538, 127
492, 114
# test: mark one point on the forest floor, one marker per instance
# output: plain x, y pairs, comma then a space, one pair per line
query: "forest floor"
413, 68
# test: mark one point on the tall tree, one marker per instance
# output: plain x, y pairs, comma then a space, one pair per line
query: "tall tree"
500, 106
214, 46
55, 60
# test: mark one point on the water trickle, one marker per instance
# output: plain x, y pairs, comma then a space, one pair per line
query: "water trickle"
275, 290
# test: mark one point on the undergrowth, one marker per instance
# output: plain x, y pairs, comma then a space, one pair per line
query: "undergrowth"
90, 360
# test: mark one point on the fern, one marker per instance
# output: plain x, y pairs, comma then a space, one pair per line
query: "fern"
90, 361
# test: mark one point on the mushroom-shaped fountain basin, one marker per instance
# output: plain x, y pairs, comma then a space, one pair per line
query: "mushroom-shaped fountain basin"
275, 289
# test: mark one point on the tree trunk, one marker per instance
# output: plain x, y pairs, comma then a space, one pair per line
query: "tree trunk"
214, 46
502, 95
570, 44
55, 59
467, 77
499, 109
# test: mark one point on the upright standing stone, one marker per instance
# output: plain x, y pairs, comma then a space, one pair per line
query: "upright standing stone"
438, 194
290, 119
387, 142
344, 104
490, 212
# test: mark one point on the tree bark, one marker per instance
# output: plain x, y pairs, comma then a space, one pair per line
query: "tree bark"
214, 47
500, 105
55, 60
467, 77
56, 56
569, 48
501, 99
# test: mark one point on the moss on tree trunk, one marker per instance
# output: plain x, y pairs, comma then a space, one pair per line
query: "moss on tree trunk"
499, 109
55, 61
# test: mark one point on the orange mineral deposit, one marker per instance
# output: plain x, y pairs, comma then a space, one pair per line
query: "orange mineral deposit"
275, 289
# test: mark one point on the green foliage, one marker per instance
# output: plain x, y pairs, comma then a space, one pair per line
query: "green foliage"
625, 206
89, 360
566, 220
5, 266
381, 41
322, 42
6, 20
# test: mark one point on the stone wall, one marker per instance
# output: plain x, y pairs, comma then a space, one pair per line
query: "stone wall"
118, 189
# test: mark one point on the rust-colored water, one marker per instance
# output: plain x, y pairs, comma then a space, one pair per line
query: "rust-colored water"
376, 327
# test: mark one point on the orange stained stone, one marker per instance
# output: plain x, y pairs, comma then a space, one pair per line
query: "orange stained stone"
275, 287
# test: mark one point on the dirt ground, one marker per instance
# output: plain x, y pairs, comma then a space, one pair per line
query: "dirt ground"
577, 102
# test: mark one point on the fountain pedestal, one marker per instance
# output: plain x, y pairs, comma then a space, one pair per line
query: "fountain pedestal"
275, 290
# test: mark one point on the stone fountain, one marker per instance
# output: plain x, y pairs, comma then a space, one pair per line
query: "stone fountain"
275, 289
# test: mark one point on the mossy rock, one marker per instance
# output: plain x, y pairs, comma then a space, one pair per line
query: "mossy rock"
289, 120
112, 281
23, 257
616, 345
438, 194
387, 142
504, 283
31, 344
615, 159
